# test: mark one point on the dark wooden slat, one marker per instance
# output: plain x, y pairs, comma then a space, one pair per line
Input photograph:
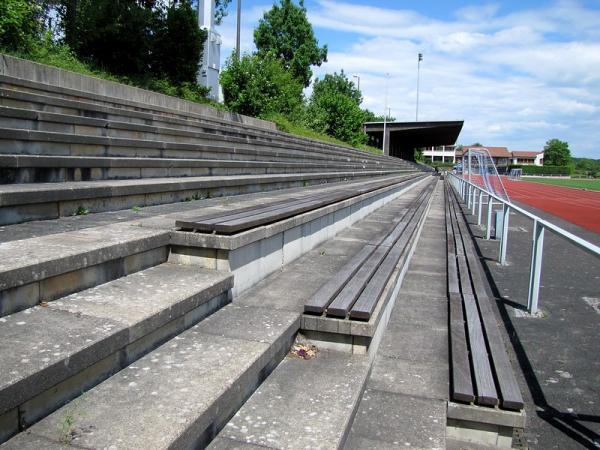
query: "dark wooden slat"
235, 221
368, 299
507, 383
482, 371
348, 295
236, 225
462, 386
326, 293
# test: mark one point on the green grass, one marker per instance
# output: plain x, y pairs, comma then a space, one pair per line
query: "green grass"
591, 185
286, 125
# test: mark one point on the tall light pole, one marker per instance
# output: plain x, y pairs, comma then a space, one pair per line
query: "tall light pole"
239, 22
358, 81
387, 76
418, 74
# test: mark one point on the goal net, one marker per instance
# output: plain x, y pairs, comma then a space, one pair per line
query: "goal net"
515, 174
479, 168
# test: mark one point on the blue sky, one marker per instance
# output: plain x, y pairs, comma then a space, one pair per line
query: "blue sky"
518, 73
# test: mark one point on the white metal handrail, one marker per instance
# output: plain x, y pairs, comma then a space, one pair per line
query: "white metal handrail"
468, 192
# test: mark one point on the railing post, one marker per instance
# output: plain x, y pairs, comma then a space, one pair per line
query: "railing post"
535, 273
504, 239
470, 190
488, 228
480, 207
474, 202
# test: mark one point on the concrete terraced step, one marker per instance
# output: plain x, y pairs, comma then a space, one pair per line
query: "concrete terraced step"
37, 201
178, 395
27, 119
182, 393
50, 98
52, 169
53, 352
302, 404
32, 142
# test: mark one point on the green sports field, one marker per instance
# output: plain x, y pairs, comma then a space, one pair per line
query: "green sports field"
592, 185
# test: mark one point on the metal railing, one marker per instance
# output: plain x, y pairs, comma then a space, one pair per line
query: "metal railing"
473, 196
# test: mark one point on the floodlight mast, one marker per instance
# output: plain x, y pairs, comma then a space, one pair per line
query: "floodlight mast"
418, 76
387, 76
239, 22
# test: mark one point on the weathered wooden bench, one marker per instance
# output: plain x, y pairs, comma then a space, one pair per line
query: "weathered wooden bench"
481, 372
229, 222
356, 288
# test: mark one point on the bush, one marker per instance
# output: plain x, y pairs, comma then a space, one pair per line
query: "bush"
334, 109
20, 27
260, 87
546, 170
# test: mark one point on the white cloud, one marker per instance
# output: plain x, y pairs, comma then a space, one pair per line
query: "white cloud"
516, 79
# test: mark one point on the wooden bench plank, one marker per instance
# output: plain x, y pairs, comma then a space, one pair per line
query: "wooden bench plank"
348, 295
326, 293
482, 371
367, 301
235, 221
508, 386
484, 380
462, 385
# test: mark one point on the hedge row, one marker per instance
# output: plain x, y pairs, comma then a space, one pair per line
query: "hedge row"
544, 170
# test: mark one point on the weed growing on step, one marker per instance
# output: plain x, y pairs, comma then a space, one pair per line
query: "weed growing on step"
136, 208
82, 211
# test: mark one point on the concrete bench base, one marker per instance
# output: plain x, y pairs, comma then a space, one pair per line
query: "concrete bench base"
481, 425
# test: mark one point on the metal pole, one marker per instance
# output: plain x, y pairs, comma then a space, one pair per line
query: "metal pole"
418, 77
480, 207
239, 24
469, 156
488, 231
358, 81
536, 267
385, 114
504, 240
474, 202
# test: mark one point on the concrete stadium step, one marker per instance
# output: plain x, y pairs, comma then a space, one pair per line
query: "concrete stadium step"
31, 142
25, 91
52, 169
302, 404
181, 394
52, 353
20, 118
42, 269
38, 201
43, 261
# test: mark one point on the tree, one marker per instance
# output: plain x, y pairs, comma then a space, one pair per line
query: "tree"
285, 32
20, 26
334, 109
177, 44
370, 116
221, 10
115, 35
260, 86
557, 153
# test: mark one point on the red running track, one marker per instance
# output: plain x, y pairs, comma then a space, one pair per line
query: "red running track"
575, 205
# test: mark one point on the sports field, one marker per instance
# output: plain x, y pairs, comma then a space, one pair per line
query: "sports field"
575, 205
590, 184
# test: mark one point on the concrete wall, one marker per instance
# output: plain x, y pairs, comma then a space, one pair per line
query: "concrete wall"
28, 70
